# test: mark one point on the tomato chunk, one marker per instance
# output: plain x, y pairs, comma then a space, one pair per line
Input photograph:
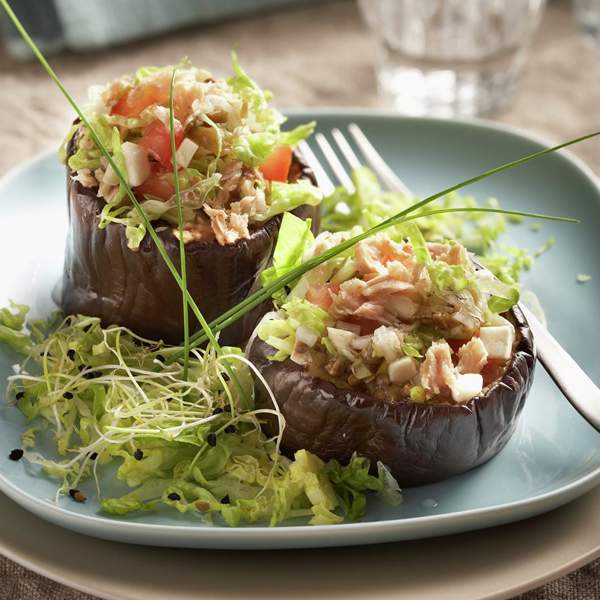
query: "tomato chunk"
159, 185
156, 139
277, 165
135, 100
367, 326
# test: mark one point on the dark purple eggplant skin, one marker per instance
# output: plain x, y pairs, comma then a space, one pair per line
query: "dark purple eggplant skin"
419, 443
102, 277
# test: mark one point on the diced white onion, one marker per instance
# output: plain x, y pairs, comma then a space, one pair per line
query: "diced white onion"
185, 153
387, 343
306, 336
466, 386
402, 370
498, 341
360, 343
342, 341
110, 177
136, 163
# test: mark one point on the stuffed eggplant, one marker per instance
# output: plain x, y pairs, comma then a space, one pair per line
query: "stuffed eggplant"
237, 171
404, 352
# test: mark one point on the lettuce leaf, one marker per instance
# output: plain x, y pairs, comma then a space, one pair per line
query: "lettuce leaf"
286, 197
294, 237
280, 332
12, 322
254, 148
351, 483
292, 137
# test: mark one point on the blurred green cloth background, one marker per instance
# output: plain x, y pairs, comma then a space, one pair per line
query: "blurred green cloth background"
83, 25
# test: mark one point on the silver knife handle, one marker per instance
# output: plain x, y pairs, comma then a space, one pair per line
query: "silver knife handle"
572, 380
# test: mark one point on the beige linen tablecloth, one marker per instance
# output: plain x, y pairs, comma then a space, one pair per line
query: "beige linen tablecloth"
318, 55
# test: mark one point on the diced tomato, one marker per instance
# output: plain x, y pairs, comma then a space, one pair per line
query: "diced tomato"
492, 370
319, 295
456, 344
135, 100
277, 165
159, 185
367, 326
156, 138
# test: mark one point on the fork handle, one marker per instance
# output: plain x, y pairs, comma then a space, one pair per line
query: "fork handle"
572, 380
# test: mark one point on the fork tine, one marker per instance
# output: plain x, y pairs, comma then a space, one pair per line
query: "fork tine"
345, 148
334, 163
325, 184
375, 160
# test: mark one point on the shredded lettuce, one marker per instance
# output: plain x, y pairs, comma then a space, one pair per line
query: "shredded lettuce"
12, 322
351, 483
250, 133
294, 236
254, 148
286, 197
103, 397
478, 232
280, 332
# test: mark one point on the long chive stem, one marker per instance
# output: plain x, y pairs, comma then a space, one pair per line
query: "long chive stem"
265, 293
250, 302
182, 259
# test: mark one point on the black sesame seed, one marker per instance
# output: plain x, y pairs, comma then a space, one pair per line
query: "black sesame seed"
16, 454
225, 500
217, 411
228, 408
211, 439
93, 456
71, 354
230, 429
174, 496
67, 395
138, 454
77, 496
160, 358
87, 328
81, 367
19, 395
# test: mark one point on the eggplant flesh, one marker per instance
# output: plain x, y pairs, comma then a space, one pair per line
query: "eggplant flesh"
102, 277
419, 442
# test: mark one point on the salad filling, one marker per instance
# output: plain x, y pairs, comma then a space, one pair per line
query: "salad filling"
400, 320
234, 164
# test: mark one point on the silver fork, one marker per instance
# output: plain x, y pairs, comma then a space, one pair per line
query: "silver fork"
571, 379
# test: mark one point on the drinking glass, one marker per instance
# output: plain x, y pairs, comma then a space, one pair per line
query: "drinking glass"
587, 15
450, 57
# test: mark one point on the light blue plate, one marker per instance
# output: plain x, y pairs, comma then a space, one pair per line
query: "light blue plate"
554, 455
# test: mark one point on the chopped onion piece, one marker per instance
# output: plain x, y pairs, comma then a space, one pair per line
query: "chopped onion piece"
466, 386
402, 370
387, 343
342, 341
306, 336
498, 341
136, 163
110, 177
185, 153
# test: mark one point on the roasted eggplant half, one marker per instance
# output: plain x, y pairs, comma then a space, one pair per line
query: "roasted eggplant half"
238, 172
404, 353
